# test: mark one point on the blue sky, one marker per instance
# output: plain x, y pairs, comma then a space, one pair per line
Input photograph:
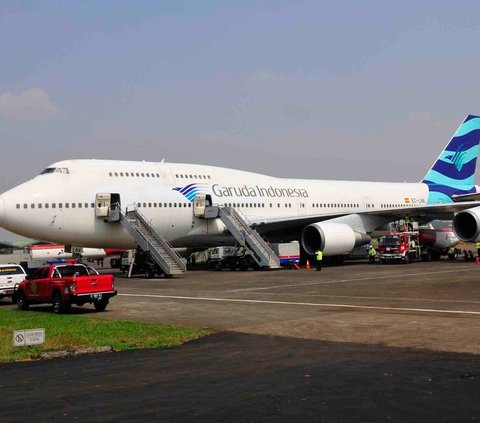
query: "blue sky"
368, 90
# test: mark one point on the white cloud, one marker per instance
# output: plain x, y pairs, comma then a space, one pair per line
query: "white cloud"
29, 105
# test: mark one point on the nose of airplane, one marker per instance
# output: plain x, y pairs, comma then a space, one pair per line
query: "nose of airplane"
2, 210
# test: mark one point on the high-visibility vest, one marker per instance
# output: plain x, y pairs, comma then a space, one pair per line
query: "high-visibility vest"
319, 254
477, 245
372, 251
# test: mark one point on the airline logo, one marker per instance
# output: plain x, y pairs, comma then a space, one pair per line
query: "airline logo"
458, 158
191, 190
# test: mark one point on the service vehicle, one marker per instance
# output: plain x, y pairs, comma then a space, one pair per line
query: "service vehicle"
231, 257
399, 246
64, 284
10, 276
137, 262
287, 252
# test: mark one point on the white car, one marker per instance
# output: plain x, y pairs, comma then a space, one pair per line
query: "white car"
10, 275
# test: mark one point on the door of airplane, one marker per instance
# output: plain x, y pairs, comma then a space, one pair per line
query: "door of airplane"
167, 174
103, 203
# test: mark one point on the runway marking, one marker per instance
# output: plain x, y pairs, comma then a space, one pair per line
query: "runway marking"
359, 297
263, 288
350, 306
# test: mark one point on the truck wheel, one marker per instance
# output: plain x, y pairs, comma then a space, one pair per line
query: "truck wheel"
59, 304
406, 259
22, 303
100, 305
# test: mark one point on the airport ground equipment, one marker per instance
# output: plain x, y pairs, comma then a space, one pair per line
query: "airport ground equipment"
232, 257
245, 235
287, 252
151, 242
64, 284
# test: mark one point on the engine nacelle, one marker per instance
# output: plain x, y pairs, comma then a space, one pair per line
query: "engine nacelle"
466, 224
332, 238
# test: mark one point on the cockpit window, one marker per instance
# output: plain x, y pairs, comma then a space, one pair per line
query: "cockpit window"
48, 170
63, 170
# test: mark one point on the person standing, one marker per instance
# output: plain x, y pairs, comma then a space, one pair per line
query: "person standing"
319, 257
371, 255
477, 246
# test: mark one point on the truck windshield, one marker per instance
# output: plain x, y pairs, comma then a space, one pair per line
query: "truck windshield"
73, 270
390, 241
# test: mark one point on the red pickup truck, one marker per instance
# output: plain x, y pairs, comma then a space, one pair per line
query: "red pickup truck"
64, 285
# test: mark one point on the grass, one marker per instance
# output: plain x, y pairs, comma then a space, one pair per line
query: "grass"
67, 332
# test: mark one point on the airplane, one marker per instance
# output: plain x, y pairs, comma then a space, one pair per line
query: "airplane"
66, 203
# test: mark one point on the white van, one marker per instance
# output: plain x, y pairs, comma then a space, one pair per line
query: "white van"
10, 275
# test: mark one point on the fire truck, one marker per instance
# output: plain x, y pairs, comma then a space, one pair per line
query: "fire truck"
400, 245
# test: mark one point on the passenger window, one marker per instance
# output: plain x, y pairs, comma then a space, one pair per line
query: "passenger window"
79, 205
139, 204
169, 204
116, 173
154, 204
144, 204
137, 174
67, 205
46, 205
73, 205
143, 175
110, 174
150, 205
32, 206
53, 205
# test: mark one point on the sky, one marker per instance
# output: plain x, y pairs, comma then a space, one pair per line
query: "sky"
364, 90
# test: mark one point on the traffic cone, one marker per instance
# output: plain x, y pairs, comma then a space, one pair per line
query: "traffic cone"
308, 265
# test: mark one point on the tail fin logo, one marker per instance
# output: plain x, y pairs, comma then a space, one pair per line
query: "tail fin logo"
457, 159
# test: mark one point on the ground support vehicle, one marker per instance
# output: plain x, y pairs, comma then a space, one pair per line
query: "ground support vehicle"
232, 258
10, 276
64, 284
287, 252
399, 247
138, 262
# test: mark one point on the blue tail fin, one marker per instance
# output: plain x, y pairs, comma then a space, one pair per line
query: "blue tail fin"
454, 170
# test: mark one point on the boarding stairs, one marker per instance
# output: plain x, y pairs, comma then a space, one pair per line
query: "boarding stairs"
241, 229
150, 241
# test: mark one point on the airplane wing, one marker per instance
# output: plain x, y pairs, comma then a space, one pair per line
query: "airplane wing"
421, 214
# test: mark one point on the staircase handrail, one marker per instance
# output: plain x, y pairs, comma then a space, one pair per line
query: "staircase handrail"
141, 217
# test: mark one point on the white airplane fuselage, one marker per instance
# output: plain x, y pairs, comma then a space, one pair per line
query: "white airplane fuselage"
60, 207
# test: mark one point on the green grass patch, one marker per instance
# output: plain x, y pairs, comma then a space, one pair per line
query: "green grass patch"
67, 332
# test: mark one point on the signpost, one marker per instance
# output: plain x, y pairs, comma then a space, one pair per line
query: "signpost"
28, 337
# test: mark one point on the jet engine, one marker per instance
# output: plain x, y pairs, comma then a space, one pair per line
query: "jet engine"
466, 224
332, 238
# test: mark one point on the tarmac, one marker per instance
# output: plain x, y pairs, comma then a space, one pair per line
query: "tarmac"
350, 343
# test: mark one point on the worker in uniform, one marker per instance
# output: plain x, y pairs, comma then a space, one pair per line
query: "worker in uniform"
408, 222
371, 255
319, 257
477, 246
